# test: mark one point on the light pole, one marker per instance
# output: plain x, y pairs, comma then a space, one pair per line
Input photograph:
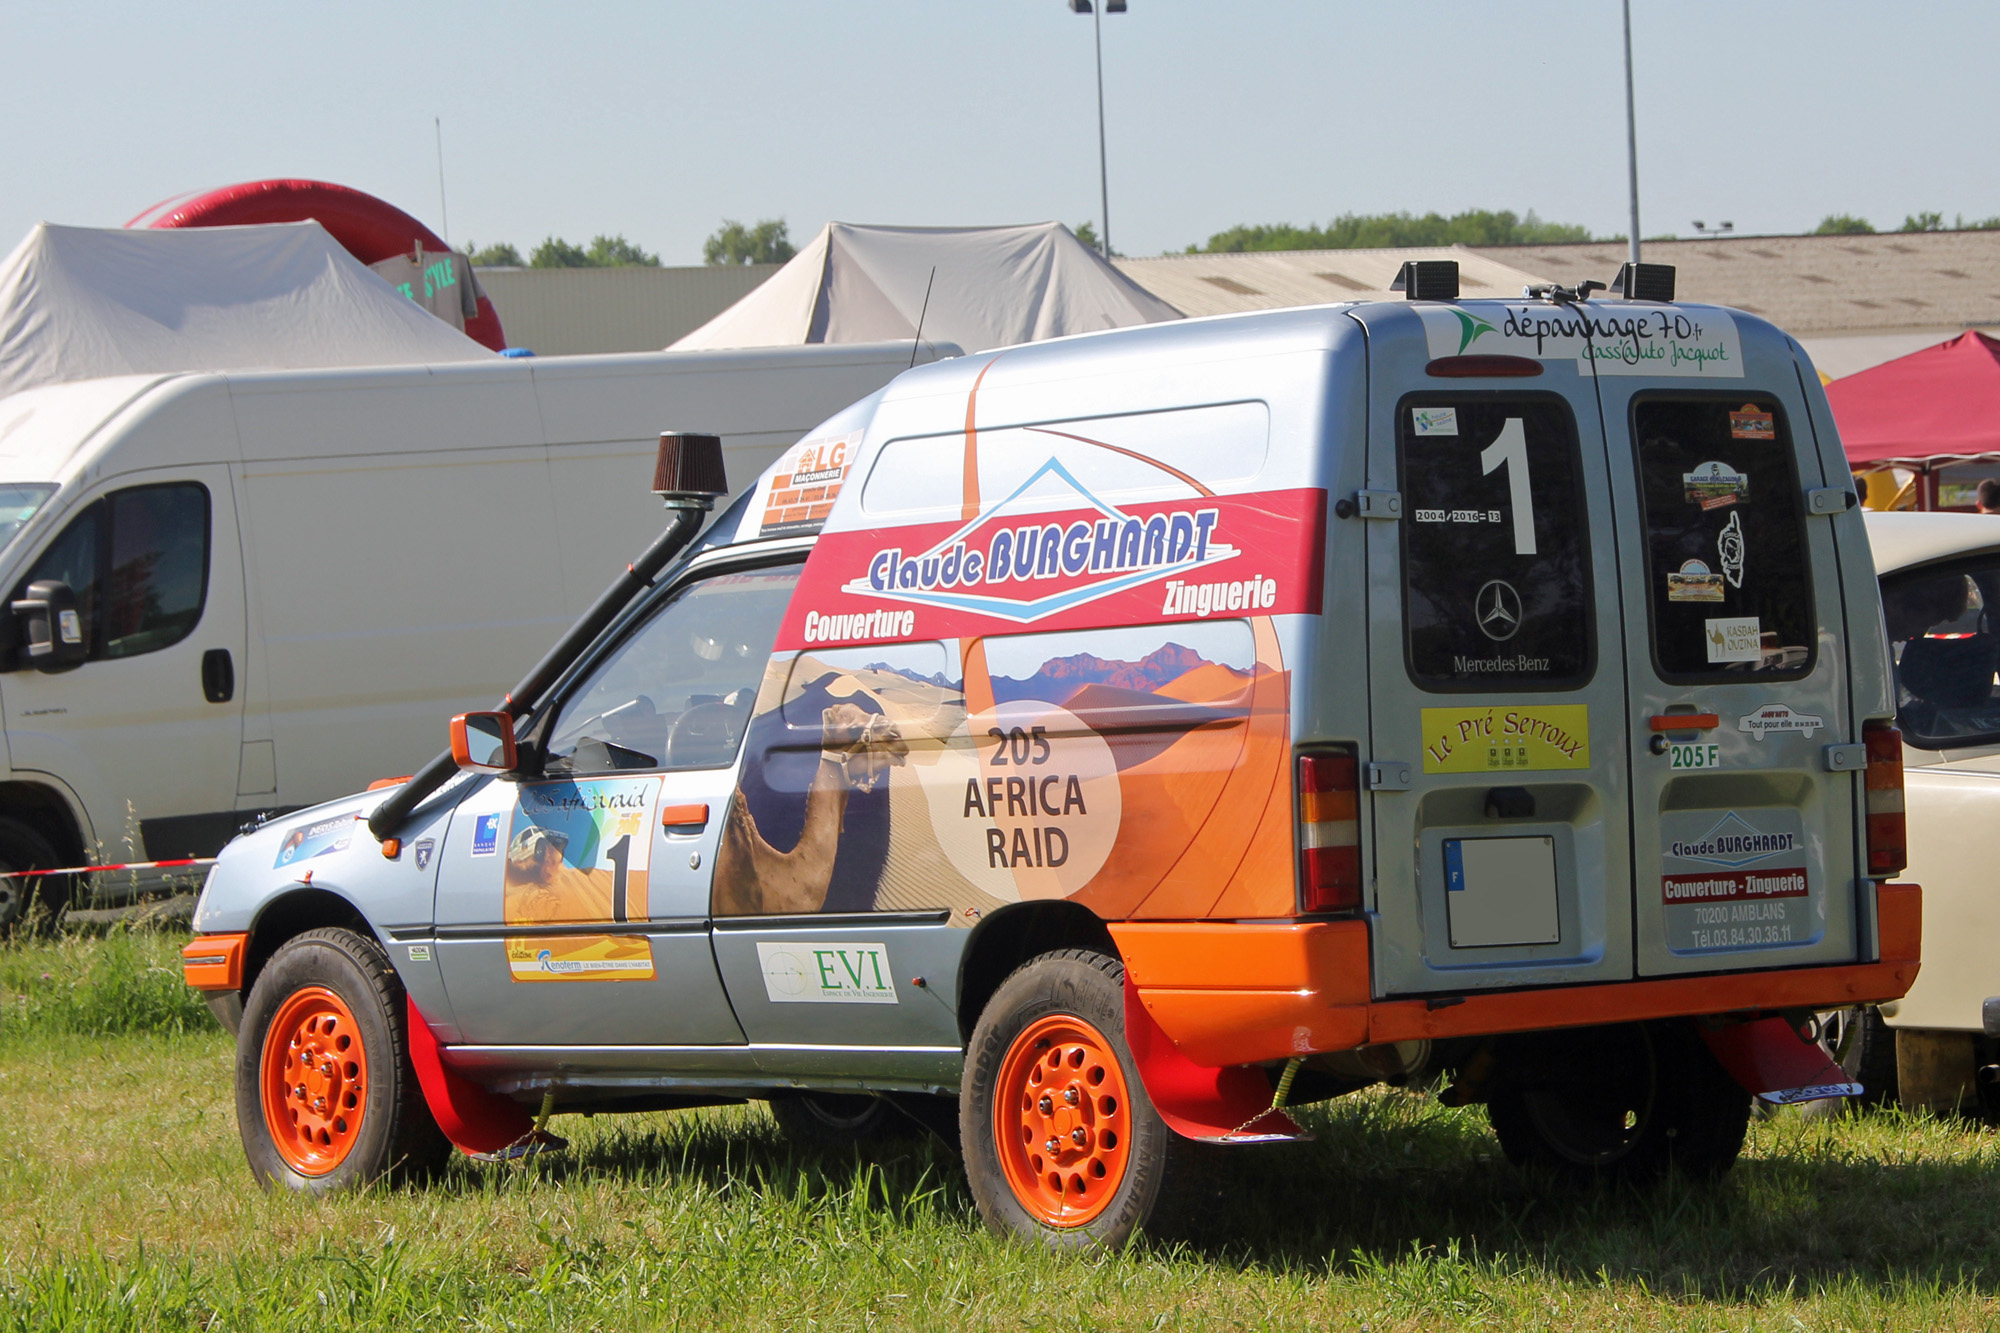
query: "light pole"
1631, 135
1103, 175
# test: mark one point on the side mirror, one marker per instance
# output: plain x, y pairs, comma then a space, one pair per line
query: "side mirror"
52, 629
483, 742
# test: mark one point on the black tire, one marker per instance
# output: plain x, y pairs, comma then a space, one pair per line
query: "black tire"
38, 902
1621, 1105
396, 1137
1160, 1169
835, 1121
1863, 1045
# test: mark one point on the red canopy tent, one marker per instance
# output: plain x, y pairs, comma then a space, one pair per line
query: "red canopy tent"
1923, 411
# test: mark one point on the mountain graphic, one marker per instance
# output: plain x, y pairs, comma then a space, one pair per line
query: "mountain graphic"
935, 678
1059, 678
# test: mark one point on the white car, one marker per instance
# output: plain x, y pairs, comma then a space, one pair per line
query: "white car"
1940, 578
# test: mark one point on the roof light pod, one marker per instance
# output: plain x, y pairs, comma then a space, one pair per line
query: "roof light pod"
1427, 280
1644, 282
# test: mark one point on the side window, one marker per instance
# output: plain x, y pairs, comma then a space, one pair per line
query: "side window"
1496, 566
138, 562
1944, 630
1729, 582
677, 692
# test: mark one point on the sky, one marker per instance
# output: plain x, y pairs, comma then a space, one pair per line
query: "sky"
659, 120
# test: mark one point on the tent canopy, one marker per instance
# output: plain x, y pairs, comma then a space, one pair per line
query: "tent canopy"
994, 287
1929, 407
80, 303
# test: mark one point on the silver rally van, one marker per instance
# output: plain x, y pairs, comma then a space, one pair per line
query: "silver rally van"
1088, 749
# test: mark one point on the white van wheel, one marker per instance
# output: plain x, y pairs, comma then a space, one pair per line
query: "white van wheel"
21, 848
1623, 1104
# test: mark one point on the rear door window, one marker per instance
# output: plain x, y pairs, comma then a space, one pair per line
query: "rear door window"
1496, 565
1728, 575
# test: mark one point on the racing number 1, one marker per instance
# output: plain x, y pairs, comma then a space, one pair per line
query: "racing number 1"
619, 854
1510, 450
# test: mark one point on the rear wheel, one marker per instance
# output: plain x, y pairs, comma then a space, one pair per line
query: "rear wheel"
1062, 1144
1621, 1104
34, 901
326, 1098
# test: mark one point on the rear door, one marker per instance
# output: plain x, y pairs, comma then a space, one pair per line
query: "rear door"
1497, 761
1743, 839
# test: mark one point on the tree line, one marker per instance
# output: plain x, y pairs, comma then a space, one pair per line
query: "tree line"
764, 242
768, 241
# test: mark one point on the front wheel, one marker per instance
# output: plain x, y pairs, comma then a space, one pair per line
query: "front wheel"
23, 900
1062, 1144
1621, 1104
326, 1098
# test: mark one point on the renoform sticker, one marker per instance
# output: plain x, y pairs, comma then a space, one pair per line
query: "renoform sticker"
1777, 717
807, 973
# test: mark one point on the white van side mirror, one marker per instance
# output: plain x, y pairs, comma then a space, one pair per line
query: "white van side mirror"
484, 742
52, 631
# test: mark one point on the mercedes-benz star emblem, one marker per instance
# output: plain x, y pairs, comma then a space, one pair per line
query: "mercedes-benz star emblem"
1497, 609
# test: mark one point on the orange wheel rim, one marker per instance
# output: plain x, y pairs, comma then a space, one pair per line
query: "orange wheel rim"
1062, 1120
315, 1080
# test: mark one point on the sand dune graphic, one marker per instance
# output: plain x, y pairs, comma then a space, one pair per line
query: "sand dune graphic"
538, 894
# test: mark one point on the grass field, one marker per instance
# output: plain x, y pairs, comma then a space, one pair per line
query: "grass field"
124, 1203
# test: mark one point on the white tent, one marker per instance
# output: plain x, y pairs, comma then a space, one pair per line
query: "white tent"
80, 303
994, 287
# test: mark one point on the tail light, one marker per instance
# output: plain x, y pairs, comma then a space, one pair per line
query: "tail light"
1888, 838
1329, 832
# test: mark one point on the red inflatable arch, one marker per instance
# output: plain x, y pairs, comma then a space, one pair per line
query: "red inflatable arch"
370, 229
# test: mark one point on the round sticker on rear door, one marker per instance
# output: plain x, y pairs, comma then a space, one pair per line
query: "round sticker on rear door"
1025, 801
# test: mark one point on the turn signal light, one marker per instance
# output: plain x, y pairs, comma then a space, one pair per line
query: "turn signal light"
1329, 832
1882, 781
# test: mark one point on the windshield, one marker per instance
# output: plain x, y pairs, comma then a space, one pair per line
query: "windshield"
19, 502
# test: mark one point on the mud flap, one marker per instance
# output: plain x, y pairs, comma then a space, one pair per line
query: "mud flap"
1774, 1062
1229, 1104
477, 1122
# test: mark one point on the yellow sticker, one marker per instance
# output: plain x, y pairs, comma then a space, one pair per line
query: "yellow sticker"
1510, 738
580, 958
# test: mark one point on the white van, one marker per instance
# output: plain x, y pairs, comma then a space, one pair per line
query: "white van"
261, 589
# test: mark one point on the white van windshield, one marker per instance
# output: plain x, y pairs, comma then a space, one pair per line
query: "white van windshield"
19, 502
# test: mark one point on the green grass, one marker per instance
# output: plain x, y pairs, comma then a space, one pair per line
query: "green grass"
123, 981
125, 1203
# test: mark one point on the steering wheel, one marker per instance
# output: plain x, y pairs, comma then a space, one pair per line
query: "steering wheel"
705, 736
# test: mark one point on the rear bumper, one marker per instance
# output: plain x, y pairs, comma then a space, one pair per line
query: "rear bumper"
1231, 993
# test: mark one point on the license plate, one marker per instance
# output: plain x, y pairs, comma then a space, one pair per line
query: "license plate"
1694, 754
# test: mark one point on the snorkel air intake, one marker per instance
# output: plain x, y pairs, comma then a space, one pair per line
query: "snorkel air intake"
689, 478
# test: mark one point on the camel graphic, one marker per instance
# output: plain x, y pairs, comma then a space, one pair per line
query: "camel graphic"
753, 878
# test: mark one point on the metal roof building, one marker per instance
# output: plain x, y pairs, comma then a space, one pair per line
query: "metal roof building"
1854, 301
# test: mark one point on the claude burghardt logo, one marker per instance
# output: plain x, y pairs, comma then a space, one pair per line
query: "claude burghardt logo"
1021, 565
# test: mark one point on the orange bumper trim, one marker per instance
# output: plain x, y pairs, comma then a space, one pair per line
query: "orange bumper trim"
1235, 993
214, 962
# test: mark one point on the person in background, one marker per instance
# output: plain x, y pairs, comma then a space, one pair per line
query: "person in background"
1989, 496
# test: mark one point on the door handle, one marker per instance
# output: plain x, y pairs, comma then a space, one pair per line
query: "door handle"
218, 676
683, 818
